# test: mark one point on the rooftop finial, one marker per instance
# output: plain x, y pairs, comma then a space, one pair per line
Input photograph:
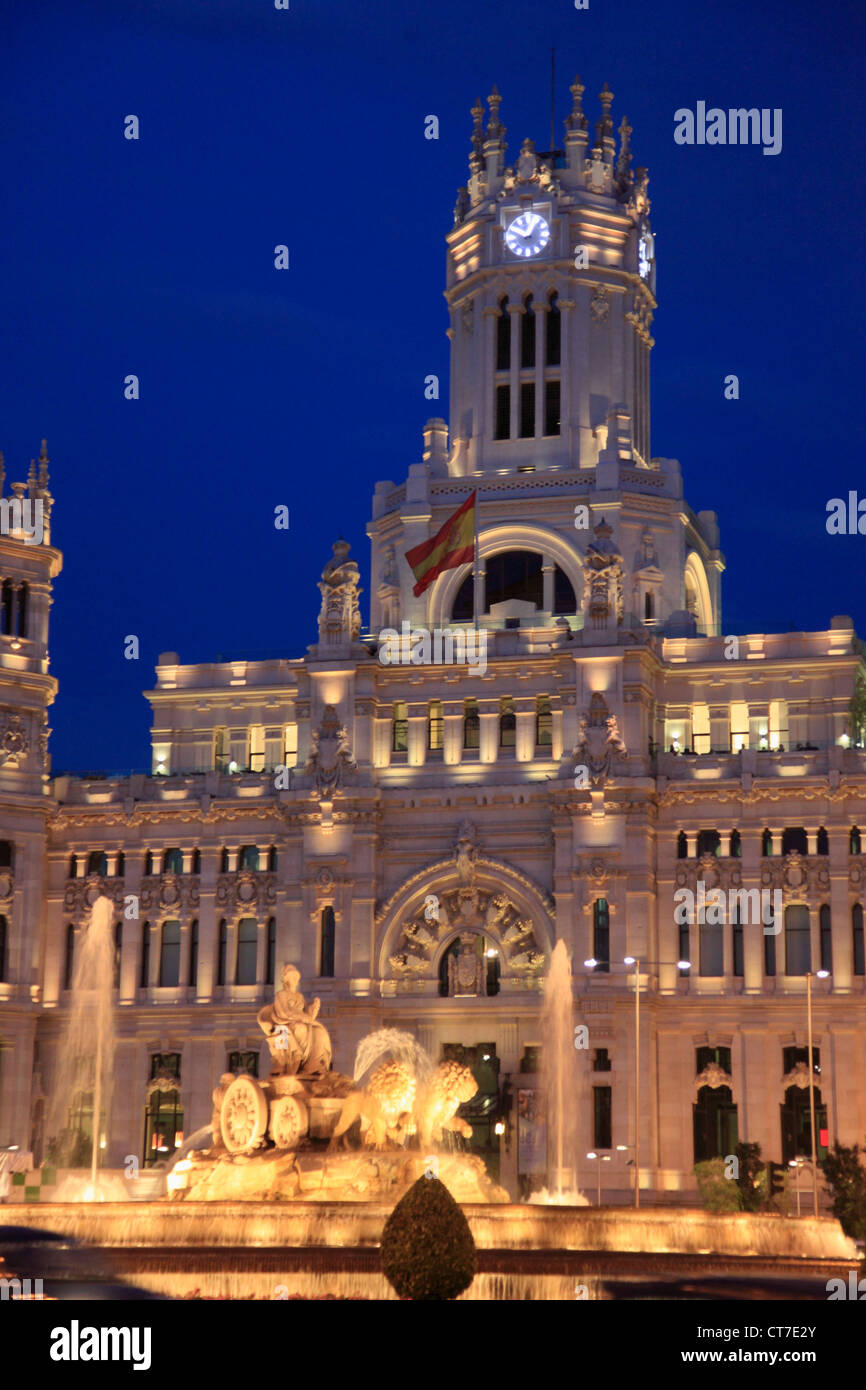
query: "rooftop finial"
624, 175
31, 477
477, 136
577, 120
494, 101
604, 127
43, 465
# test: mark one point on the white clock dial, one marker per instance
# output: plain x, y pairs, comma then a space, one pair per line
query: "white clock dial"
527, 235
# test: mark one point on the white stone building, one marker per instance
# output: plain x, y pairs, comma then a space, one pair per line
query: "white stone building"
416, 837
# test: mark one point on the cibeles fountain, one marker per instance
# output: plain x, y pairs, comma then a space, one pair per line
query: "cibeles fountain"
311, 1134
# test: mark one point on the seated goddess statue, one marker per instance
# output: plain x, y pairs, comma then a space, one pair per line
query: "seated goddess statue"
297, 1041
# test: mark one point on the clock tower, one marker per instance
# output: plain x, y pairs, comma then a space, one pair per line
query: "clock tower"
551, 292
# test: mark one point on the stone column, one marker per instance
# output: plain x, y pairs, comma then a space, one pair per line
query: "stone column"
516, 310
488, 741
548, 568
540, 309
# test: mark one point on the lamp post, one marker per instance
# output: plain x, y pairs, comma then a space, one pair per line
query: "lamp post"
822, 975
599, 1160
635, 961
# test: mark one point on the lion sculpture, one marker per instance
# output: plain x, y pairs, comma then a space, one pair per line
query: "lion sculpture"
449, 1087
391, 1107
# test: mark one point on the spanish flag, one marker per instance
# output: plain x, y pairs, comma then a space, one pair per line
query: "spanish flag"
453, 545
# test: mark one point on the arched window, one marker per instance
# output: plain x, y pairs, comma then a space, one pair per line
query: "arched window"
163, 1126
823, 845
7, 855
222, 951
73, 866
735, 847
797, 1123
527, 334
553, 331
97, 863
601, 934
118, 948
120, 864
249, 858
503, 337
682, 846
4, 947
543, 722
172, 861
564, 597
709, 842
169, 955
515, 574
69, 957
714, 1118
144, 974
400, 728
21, 611
6, 608
483, 947
858, 941
826, 938
328, 933
271, 958
798, 944
435, 727
196, 861
471, 724
854, 841
148, 863
507, 723
193, 954
248, 943
794, 837
767, 844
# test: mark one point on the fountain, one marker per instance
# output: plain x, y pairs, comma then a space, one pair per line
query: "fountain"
561, 1083
86, 1057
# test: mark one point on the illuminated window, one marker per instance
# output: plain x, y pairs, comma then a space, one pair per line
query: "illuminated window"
543, 722
400, 728
435, 726
471, 724
507, 723
739, 726
601, 934
701, 728
256, 754
290, 745
220, 754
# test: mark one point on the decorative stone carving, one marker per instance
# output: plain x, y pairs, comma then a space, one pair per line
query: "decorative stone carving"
797, 1076
14, 742
713, 1076
599, 742
297, 1041
602, 602
467, 974
599, 304
340, 615
465, 850
330, 756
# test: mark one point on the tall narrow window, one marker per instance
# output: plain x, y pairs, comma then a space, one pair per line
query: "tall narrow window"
220, 755
503, 337
4, 947
527, 334
256, 754
73, 866
172, 861
97, 863
118, 945
739, 726
553, 331
224, 861
601, 1099
471, 724
148, 863
196, 861
551, 407
249, 858
290, 745
503, 411
21, 613
435, 726
700, 728
222, 951
769, 945
120, 865
854, 841
272, 859
826, 938
767, 844
6, 608
823, 842
144, 973
709, 842
248, 943
737, 943
711, 947
601, 934
735, 847
69, 957
682, 845
685, 946
328, 943
270, 962
527, 409
193, 954
169, 955
649, 612
543, 722
858, 941
400, 729
507, 723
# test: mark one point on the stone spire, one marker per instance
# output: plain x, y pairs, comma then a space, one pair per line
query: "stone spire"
475, 158
624, 175
577, 120
43, 465
31, 478
604, 140
494, 144
495, 130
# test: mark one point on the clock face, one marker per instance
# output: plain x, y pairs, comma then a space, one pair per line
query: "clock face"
527, 234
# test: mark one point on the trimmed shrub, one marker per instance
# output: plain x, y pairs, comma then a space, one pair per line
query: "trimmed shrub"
718, 1193
427, 1247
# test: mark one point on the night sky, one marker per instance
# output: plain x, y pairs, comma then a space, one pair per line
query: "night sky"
305, 387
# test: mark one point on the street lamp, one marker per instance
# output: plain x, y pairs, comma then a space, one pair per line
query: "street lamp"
635, 961
599, 1159
822, 975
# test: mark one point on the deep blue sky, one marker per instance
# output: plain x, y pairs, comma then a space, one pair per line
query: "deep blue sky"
305, 387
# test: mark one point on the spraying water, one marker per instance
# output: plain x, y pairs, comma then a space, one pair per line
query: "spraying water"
391, 1043
561, 1078
86, 1062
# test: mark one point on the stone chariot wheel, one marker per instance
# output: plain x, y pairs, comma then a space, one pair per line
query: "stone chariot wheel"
243, 1115
289, 1121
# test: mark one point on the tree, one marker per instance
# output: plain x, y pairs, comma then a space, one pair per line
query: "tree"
427, 1248
751, 1177
846, 1179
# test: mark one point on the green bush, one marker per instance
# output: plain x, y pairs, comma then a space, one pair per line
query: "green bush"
427, 1247
846, 1179
718, 1193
